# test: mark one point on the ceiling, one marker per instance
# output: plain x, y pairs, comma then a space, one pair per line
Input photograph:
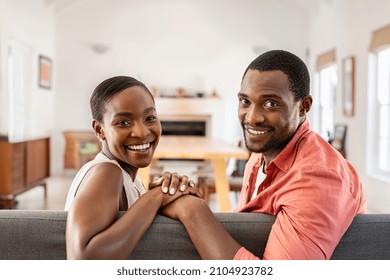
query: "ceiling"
311, 6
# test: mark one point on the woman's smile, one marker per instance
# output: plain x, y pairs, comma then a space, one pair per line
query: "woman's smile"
139, 148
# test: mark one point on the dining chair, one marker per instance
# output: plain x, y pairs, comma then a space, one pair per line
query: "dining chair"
235, 171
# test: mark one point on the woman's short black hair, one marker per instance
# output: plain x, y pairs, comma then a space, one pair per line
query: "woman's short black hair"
108, 89
289, 64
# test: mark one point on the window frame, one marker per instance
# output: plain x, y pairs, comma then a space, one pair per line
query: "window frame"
332, 99
373, 120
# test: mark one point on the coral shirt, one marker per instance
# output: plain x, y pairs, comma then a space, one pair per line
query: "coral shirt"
313, 192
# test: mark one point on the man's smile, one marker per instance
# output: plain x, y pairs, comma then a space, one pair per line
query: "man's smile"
257, 130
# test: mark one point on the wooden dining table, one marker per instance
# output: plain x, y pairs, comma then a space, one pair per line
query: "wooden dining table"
204, 148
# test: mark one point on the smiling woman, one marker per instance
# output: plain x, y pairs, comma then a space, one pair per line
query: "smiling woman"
126, 123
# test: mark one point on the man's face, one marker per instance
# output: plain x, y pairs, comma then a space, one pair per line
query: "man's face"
267, 112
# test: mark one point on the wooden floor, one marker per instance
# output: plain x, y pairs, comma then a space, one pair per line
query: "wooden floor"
57, 190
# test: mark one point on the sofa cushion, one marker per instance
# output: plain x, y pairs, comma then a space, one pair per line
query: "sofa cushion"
40, 234
368, 238
30, 235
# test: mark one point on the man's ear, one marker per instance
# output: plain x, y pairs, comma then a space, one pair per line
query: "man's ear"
305, 105
98, 129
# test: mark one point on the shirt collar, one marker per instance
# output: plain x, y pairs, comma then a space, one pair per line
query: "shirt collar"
286, 157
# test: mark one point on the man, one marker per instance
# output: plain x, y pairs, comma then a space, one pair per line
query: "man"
292, 173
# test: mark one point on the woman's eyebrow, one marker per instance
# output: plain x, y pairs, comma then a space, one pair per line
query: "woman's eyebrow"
147, 110
129, 114
123, 114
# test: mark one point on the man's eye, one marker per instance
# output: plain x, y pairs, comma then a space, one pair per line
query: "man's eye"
271, 104
244, 101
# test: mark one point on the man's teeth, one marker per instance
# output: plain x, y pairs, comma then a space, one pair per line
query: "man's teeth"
139, 147
257, 132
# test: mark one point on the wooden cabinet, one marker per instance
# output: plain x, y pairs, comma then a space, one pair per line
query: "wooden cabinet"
23, 165
80, 147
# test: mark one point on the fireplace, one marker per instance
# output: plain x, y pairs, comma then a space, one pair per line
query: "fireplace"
186, 125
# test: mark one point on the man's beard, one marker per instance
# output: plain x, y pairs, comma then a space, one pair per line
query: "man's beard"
273, 143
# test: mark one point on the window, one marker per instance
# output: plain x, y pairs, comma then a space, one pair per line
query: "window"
19, 89
326, 85
327, 90
378, 141
379, 123
383, 96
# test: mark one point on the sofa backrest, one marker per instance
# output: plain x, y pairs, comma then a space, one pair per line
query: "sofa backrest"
40, 234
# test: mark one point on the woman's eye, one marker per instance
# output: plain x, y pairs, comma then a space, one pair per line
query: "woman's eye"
151, 118
123, 122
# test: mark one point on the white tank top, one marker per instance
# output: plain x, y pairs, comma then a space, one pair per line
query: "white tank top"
133, 189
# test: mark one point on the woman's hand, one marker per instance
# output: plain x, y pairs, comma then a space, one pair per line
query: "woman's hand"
190, 191
171, 182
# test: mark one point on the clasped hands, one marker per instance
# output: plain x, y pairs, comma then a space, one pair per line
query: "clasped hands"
175, 189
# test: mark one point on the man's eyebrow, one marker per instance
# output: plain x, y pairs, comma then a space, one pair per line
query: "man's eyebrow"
270, 95
241, 94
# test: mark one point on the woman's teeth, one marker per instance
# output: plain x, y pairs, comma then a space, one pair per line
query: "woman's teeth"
139, 147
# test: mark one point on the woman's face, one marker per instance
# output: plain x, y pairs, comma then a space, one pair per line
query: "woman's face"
131, 128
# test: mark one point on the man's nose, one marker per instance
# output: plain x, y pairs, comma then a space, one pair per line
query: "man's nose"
255, 115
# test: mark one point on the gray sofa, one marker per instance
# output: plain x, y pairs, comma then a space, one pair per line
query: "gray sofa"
40, 234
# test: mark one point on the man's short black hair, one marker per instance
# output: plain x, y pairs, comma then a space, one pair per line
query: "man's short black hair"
289, 64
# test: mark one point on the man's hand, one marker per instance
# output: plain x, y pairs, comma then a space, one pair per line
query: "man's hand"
181, 205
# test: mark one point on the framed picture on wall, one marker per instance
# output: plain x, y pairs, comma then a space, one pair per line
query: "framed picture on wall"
45, 69
348, 84
338, 142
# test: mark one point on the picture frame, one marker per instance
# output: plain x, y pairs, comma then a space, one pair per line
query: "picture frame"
338, 141
348, 84
45, 72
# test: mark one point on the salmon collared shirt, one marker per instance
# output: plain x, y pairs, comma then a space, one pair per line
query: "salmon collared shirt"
313, 191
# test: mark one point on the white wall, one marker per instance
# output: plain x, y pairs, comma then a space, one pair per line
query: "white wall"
347, 26
197, 44
200, 45
30, 24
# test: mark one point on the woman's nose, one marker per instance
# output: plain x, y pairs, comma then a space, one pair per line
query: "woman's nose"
140, 130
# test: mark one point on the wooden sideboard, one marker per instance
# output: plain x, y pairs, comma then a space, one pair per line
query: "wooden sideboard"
23, 165
80, 147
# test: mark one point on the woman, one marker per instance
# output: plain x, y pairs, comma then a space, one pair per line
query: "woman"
125, 121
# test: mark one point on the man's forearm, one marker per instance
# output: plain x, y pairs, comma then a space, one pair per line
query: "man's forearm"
208, 235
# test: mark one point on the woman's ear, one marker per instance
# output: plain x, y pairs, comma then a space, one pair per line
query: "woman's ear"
306, 105
97, 127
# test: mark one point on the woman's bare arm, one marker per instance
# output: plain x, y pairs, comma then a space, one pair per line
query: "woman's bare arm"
93, 230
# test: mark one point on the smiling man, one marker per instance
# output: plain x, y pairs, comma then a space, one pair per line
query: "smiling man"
293, 173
